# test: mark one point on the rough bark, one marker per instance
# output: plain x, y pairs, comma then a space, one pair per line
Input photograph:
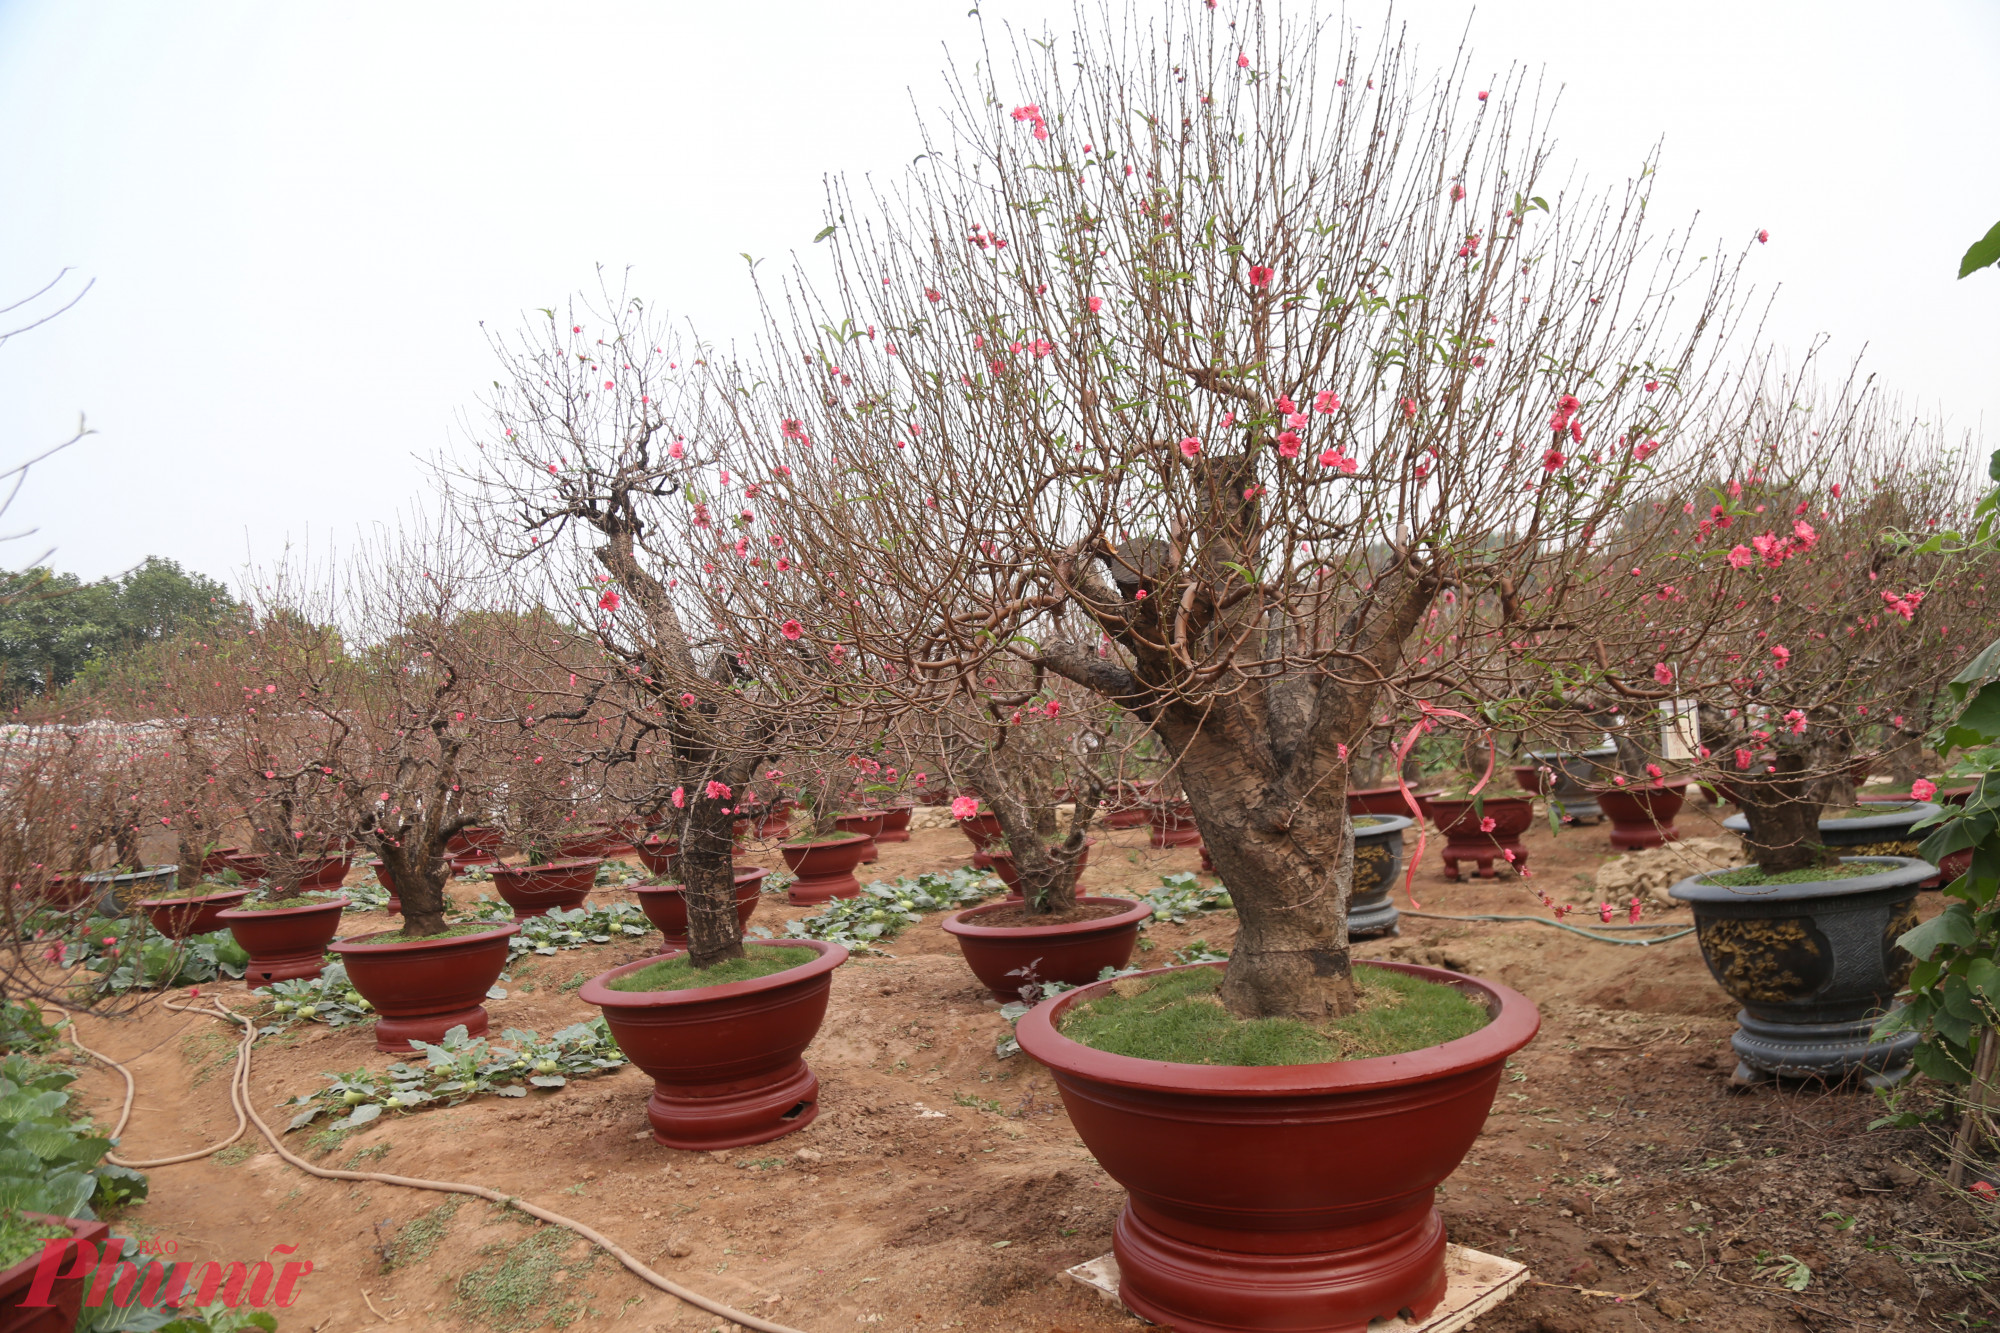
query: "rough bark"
707, 866
419, 870
1783, 812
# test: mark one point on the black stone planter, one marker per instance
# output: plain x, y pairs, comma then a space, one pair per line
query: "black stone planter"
1815, 965
1378, 860
1886, 834
1576, 773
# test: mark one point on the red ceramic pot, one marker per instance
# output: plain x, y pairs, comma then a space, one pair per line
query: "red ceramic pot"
533, 890
1207, 864
825, 869
724, 1059
1251, 1204
61, 892
424, 988
1528, 777
1642, 816
191, 914
58, 1308
896, 824
657, 855
475, 846
1466, 841
1003, 866
870, 823
1127, 808
1174, 826
776, 824
665, 905
217, 861
387, 881
315, 872
285, 943
982, 831
603, 840
1389, 801
1006, 958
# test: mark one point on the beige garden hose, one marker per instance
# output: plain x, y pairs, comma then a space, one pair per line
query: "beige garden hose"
239, 1097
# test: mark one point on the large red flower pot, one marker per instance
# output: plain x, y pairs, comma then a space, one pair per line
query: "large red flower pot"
191, 914
1288, 1197
603, 840
475, 846
825, 869
724, 1059
424, 988
665, 905
58, 1306
315, 872
1389, 801
1533, 777
60, 892
657, 855
776, 823
285, 943
869, 823
1174, 826
896, 824
217, 861
1003, 866
1642, 816
1127, 806
533, 890
982, 831
1007, 958
1466, 840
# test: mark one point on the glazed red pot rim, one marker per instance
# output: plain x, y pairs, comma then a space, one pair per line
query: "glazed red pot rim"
842, 841
1513, 1024
266, 913
572, 863
182, 900
956, 924
744, 874
598, 990
371, 943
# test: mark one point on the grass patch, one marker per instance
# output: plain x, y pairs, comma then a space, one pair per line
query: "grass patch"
679, 974
1744, 877
208, 1051
235, 1153
274, 905
20, 1238
1867, 811
415, 1243
1178, 1017
527, 1286
449, 932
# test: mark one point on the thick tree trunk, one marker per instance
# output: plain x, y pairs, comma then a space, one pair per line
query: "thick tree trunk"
1047, 872
419, 873
1783, 812
1288, 864
707, 867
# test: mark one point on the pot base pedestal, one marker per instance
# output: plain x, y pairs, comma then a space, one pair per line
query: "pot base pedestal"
296, 967
1828, 1052
771, 1109
1475, 1284
1482, 854
1373, 919
395, 1034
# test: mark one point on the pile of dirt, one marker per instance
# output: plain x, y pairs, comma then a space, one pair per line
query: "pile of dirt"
1647, 875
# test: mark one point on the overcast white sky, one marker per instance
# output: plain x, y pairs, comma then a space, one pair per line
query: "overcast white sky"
297, 215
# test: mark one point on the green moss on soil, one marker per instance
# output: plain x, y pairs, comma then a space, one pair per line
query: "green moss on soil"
1745, 877
449, 932
263, 905
1868, 810
679, 974
1178, 1017
21, 1239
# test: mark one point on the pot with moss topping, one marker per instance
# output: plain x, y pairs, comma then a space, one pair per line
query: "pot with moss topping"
725, 1059
284, 943
1815, 964
1296, 1197
422, 988
1007, 958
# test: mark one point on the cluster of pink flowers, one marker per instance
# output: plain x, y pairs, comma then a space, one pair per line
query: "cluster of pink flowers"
1469, 250
1334, 458
1564, 418
1032, 115
1906, 605
1777, 550
716, 791
1923, 789
964, 807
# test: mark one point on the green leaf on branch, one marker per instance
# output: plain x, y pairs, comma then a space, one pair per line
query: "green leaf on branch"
1951, 926
1984, 252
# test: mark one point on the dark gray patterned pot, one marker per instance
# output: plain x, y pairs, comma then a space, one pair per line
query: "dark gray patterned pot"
1577, 771
1814, 965
1886, 834
1378, 863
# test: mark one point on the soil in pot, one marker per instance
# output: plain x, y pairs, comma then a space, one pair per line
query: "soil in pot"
1642, 816
533, 890
193, 914
665, 905
1295, 1196
1812, 957
723, 1048
825, 868
1468, 839
286, 940
1025, 949
422, 987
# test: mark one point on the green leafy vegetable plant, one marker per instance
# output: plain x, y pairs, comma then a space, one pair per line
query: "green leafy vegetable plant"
50, 1161
881, 910
1184, 895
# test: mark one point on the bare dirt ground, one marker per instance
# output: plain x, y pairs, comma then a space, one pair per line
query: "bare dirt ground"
943, 1188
